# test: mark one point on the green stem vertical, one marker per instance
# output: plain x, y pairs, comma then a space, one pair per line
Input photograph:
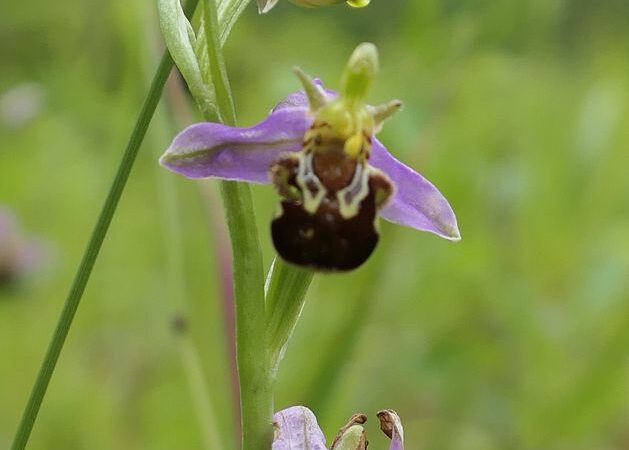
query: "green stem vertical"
252, 349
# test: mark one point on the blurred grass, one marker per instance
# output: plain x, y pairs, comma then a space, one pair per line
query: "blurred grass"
514, 338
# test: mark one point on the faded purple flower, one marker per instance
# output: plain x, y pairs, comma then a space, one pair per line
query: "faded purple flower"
296, 428
391, 425
19, 255
21, 104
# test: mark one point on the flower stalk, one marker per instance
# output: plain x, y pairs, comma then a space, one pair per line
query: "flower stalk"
256, 385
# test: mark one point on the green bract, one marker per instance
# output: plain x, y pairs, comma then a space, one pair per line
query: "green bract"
182, 44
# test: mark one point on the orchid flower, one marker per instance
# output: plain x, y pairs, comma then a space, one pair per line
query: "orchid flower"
333, 175
296, 428
266, 5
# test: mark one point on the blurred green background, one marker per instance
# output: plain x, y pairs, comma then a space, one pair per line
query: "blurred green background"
515, 338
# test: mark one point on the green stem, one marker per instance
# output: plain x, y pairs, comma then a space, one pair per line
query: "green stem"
224, 98
256, 384
285, 297
256, 387
91, 253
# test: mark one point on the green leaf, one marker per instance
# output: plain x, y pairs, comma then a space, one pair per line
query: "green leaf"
286, 288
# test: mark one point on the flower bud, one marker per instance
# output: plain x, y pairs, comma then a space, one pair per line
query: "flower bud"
352, 435
266, 5
315, 3
358, 3
352, 439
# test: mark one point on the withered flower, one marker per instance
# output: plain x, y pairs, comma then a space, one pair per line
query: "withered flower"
296, 428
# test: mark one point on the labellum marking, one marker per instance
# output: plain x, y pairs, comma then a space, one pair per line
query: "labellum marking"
311, 188
349, 198
330, 202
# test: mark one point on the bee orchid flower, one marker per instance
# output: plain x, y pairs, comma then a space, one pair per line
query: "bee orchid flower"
333, 175
296, 428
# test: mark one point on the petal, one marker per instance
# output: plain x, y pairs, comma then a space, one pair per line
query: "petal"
296, 428
245, 154
391, 425
417, 203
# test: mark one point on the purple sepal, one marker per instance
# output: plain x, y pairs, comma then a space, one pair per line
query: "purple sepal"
244, 154
417, 203
296, 428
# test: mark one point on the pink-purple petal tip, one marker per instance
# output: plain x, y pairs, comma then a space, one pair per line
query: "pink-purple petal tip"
417, 202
